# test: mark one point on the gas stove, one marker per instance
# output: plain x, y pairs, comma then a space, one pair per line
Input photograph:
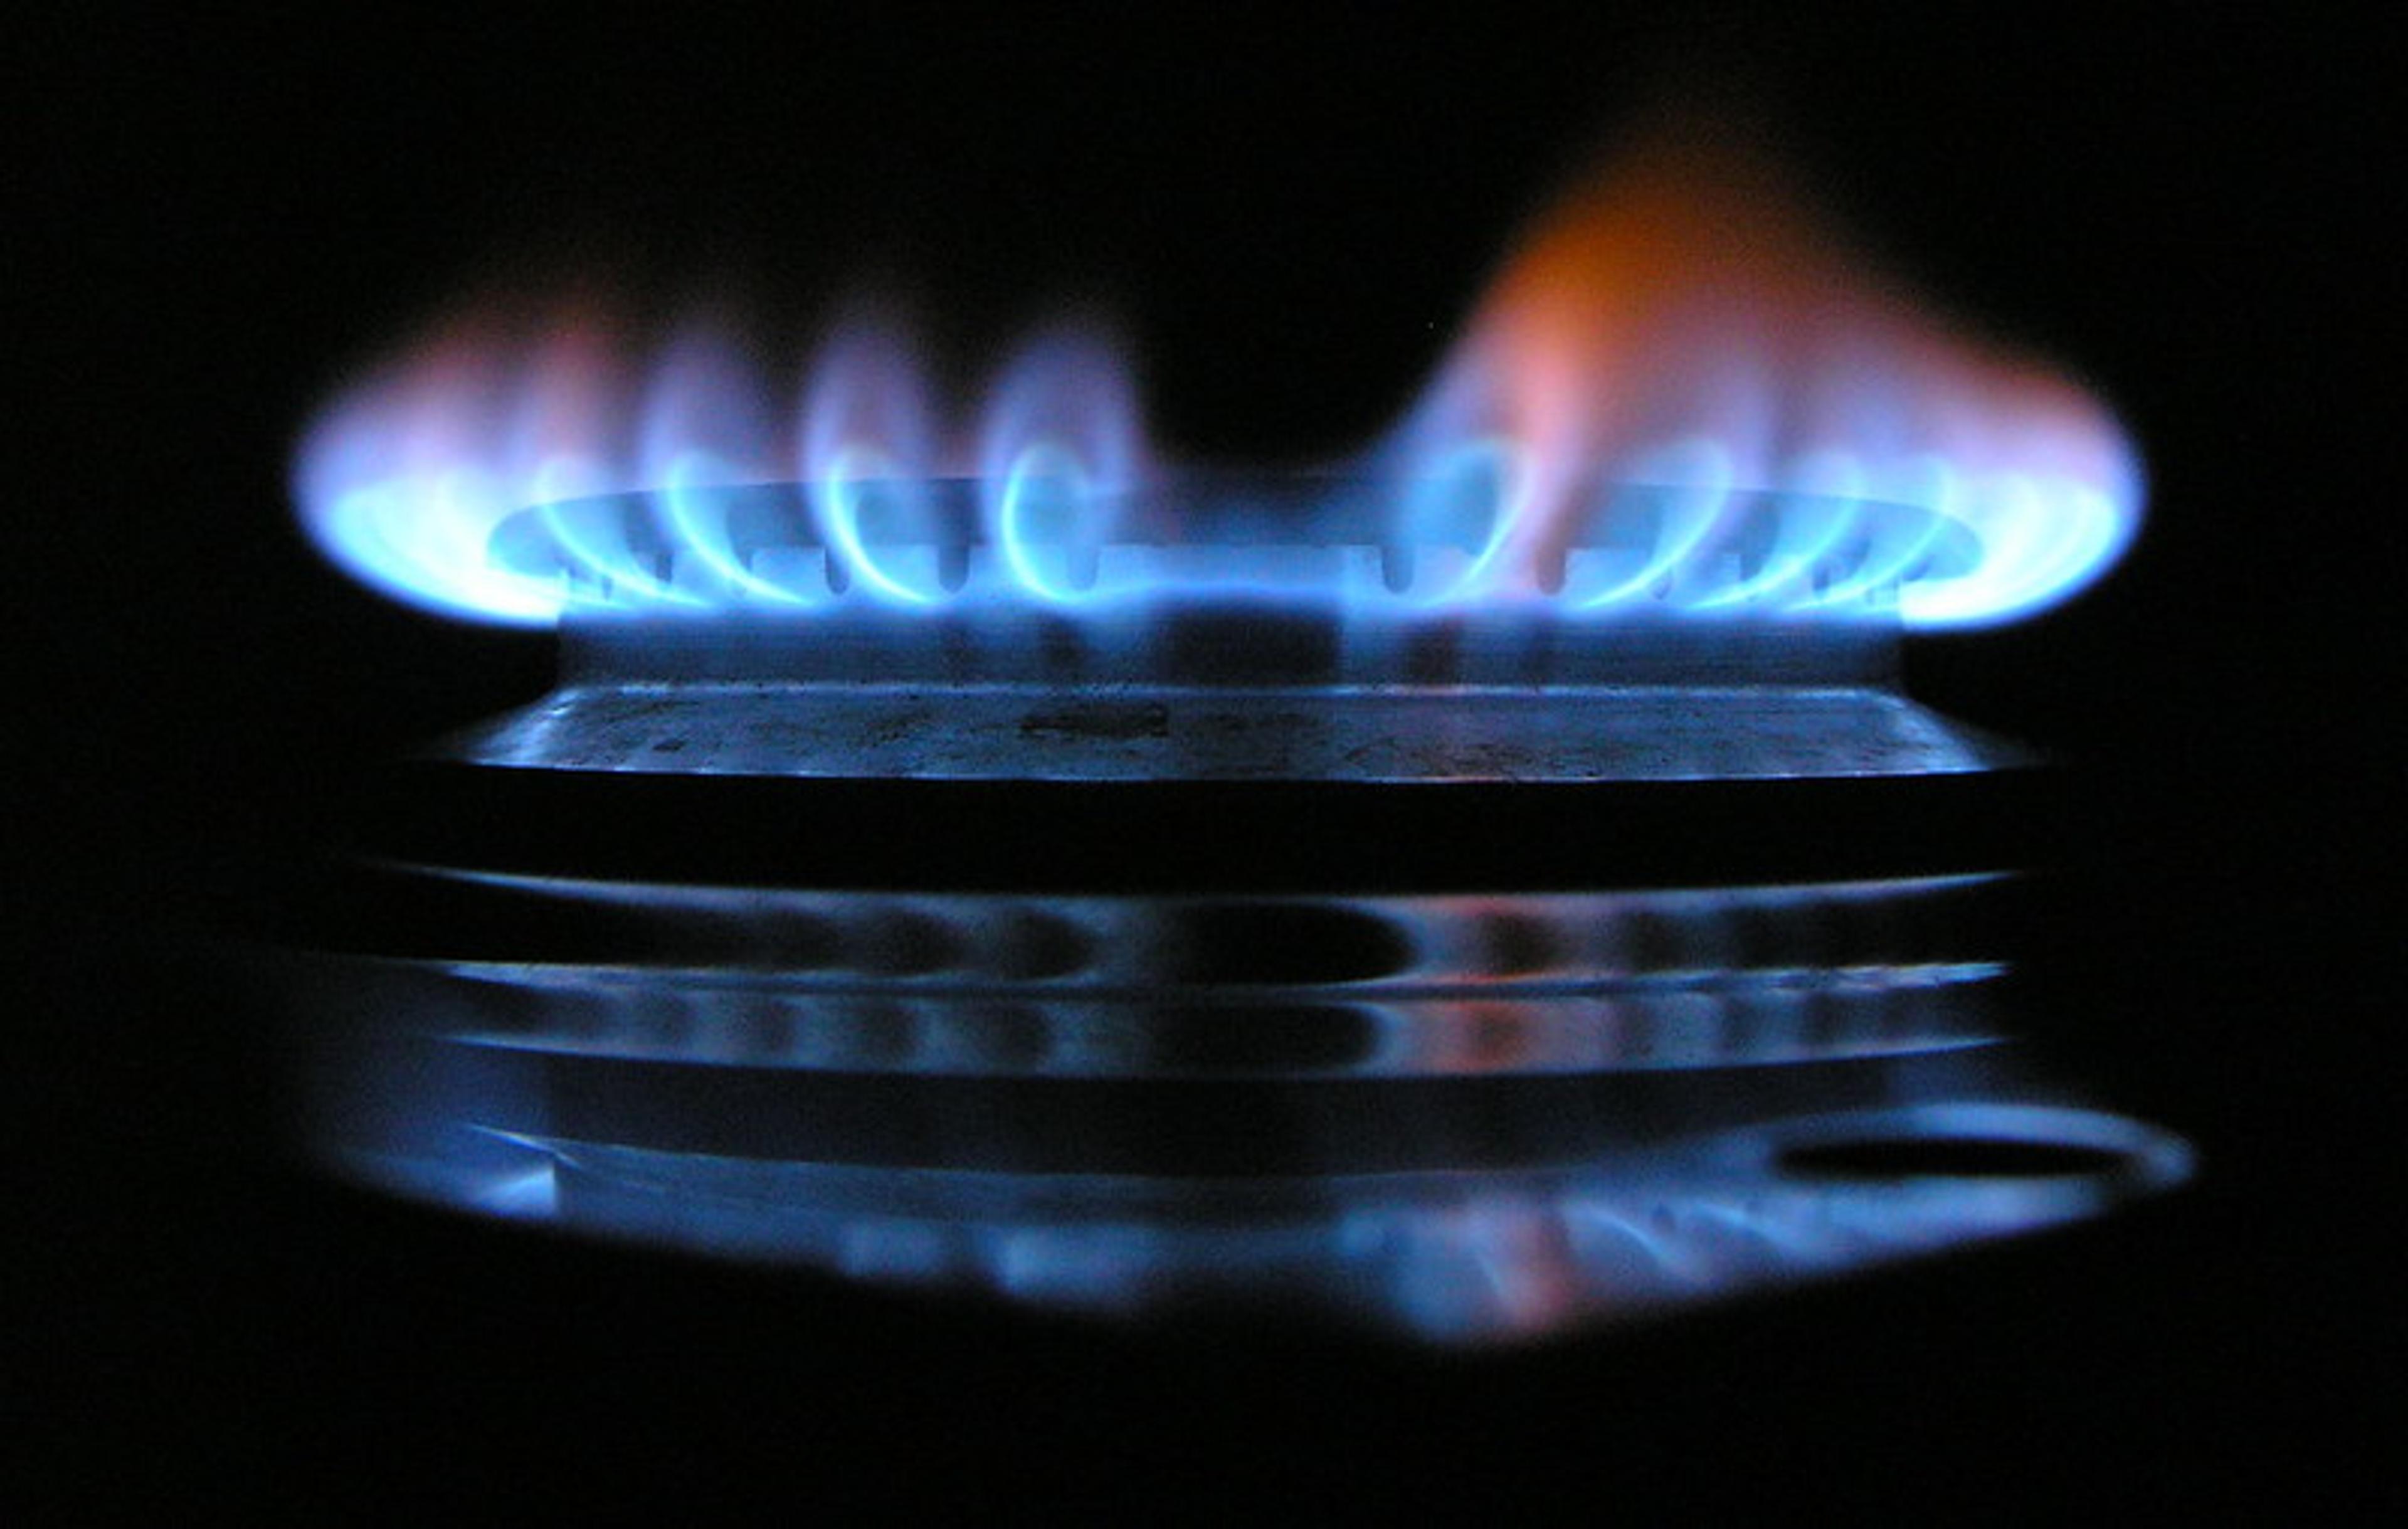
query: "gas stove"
1292, 214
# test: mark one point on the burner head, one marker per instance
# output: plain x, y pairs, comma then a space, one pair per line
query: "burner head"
1706, 552
1234, 630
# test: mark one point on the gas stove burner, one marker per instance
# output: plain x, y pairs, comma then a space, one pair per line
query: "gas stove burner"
1494, 884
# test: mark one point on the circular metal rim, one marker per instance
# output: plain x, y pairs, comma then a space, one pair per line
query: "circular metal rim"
1259, 837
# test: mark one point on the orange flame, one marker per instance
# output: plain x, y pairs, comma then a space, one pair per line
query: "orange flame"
1688, 291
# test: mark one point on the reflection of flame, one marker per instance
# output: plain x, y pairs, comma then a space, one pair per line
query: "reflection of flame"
1681, 393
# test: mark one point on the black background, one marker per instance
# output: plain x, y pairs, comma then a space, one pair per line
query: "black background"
1291, 208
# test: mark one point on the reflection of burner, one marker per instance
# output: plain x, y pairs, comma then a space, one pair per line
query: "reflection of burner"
1098, 986
1458, 1118
1444, 1254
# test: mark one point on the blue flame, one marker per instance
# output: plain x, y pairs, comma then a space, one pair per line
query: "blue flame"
1058, 453
491, 485
1042, 517
860, 487
869, 447
1457, 522
702, 523
1699, 494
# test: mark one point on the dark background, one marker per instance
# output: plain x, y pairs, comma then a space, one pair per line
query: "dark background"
1291, 210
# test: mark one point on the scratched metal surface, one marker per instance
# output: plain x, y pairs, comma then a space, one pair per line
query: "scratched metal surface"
1634, 733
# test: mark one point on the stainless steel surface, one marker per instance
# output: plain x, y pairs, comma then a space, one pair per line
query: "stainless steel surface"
1133, 733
